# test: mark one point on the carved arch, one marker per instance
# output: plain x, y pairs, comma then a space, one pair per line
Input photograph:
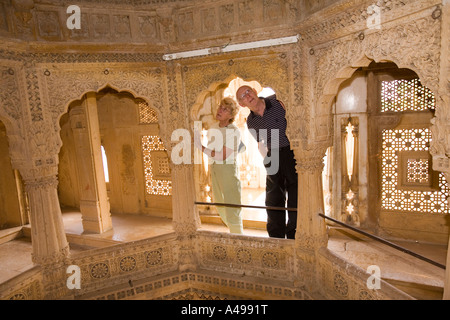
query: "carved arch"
411, 45
270, 70
116, 88
213, 88
62, 85
203, 94
331, 87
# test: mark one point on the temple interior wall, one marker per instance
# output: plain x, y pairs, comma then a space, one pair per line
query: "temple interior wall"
48, 70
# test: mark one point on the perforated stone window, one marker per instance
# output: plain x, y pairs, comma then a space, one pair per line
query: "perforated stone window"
163, 165
147, 114
408, 182
417, 171
156, 166
406, 95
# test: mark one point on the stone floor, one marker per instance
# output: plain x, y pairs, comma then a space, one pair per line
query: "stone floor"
421, 279
15, 244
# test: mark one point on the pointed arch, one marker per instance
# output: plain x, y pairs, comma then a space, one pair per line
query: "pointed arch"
331, 87
63, 84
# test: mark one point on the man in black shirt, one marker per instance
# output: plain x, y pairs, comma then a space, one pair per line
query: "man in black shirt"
267, 124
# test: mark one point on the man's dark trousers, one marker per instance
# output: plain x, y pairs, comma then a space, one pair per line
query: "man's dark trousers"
279, 185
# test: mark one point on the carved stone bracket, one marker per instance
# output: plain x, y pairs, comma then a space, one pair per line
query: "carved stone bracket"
310, 160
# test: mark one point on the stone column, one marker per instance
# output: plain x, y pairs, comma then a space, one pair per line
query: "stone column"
311, 231
185, 216
94, 204
47, 229
49, 242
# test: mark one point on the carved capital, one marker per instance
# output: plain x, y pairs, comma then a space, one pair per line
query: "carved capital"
41, 183
310, 160
309, 164
37, 172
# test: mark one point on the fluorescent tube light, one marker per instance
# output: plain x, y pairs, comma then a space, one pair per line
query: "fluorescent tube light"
232, 47
260, 44
186, 54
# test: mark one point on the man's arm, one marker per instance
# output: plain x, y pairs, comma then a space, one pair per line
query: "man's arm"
262, 149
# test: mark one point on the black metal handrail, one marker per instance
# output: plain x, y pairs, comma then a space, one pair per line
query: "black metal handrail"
384, 241
243, 206
374, 237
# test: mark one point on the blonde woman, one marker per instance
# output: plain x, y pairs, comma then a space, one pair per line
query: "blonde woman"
224, 144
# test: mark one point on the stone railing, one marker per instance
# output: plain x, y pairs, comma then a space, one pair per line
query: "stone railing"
26, 286
221, 266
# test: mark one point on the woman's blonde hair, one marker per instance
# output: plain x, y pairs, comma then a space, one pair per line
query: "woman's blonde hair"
231, 106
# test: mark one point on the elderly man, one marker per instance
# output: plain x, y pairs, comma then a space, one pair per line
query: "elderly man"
267, 124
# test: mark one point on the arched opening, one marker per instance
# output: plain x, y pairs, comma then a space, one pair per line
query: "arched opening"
252, 173
127, 165
13, 201
105, 165
381, 156
379, 174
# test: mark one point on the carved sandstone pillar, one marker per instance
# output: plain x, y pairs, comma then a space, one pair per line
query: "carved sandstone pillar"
94, 204
47, 229
185, 217
49, 242
311, 232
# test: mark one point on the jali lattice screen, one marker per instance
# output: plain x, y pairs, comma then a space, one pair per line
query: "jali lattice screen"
406, 95
414, 192
152, 185
147, 114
